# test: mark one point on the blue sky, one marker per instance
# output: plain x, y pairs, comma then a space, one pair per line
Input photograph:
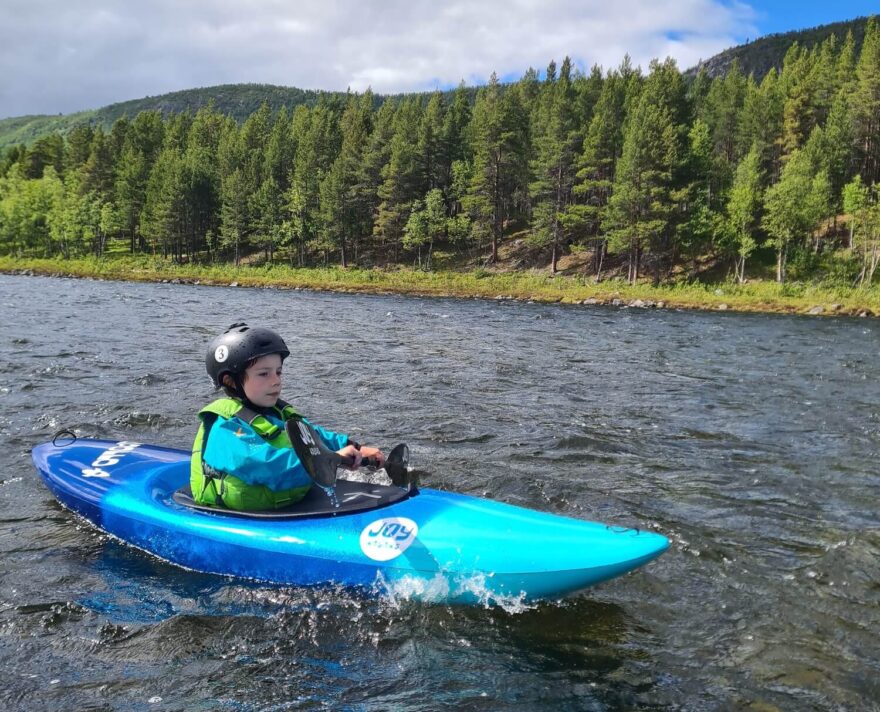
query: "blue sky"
784, 15
58, 56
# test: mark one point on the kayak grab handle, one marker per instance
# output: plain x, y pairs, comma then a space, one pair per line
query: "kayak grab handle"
69, 438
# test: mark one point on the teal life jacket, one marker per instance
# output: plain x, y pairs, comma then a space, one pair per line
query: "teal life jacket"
224, 489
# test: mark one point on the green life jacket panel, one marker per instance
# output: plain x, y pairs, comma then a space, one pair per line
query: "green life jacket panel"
222, 489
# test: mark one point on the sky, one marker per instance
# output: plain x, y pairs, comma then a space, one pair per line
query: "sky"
61, 56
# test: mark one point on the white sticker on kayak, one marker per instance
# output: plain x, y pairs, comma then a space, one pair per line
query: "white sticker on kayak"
388, 538
108, 458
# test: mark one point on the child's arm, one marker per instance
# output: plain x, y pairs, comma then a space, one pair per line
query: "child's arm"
235, 448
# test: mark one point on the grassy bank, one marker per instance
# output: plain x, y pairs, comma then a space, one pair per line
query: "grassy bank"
756, 296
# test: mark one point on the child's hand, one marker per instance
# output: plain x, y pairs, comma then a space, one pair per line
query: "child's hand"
352, 451
373, 453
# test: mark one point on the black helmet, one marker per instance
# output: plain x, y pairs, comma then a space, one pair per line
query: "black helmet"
239, 345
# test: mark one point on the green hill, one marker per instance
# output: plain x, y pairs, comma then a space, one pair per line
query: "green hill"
236, 100
27, 129
762, 55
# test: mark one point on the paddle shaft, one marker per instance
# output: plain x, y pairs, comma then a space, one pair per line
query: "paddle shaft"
365, 462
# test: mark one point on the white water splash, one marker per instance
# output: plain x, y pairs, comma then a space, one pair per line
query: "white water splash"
443, 589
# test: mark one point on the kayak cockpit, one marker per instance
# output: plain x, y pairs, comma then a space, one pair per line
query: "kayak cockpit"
346, 497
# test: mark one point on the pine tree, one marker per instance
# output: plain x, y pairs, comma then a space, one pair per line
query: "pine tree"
235, 224
698, 90
721, 111
641, 210
403, 180
267, 207
302, 197
824, 79
96, 174
432, 153
595, 178
235, 218
130, 191
202, 177
369, 176
316, 134
147, 134
846, 64
78, 146
280, 150
118, 136
141, 141
798, 108
345, 204
46, 151
163, 221
457, 161
587, 90
700, 224
456, 129
839, 143
255, 134
556, 137
866, 105
499, 134
761, 122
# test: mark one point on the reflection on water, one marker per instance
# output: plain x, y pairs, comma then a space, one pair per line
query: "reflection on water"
751, 441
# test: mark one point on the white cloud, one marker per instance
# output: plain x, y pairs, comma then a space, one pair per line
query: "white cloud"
64, 56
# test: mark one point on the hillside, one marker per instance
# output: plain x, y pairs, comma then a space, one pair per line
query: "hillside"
762, 55
241, 100
236, 100
27, 129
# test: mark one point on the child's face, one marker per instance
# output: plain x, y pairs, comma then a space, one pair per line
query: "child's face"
262, 381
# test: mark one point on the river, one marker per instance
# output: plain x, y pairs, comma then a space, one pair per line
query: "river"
751, 441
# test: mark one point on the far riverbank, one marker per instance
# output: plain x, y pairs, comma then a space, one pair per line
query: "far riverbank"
754, 296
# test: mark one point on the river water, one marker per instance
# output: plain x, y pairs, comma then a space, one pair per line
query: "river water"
750, 441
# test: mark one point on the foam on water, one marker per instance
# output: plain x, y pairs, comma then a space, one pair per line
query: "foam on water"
440, 588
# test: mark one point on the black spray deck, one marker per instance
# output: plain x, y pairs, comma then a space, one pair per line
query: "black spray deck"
351, 497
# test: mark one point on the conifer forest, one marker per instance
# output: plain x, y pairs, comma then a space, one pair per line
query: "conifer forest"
652, 174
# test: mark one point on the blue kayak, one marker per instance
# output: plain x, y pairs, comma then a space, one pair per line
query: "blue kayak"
433, 545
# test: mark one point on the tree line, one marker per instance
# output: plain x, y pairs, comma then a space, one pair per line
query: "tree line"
651, 173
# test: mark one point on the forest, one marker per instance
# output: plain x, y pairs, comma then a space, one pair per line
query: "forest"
649, 174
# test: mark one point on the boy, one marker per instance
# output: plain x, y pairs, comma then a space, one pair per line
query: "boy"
242, 457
